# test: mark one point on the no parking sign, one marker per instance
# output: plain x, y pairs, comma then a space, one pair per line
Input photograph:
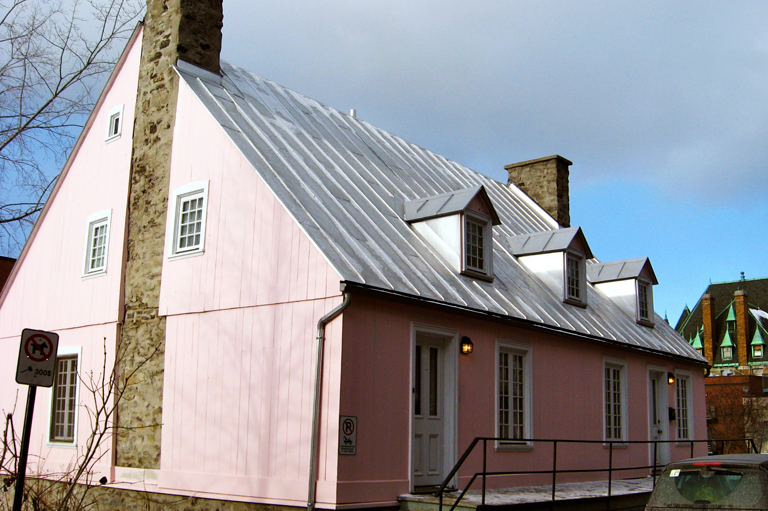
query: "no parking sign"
37, 358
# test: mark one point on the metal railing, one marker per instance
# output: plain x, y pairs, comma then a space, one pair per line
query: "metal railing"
555, 471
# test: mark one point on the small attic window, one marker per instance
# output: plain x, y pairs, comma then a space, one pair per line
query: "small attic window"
477, 244
575, 283
115, 125
644, 302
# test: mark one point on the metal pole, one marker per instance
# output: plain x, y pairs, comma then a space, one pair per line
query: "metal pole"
554, 470
485, 465
610, 466
22, 465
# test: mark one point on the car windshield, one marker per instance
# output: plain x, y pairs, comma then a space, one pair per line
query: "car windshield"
711, 487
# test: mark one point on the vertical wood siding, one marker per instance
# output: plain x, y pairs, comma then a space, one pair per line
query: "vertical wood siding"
241, 328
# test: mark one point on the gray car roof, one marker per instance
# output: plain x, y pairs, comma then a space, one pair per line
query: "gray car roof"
346, 183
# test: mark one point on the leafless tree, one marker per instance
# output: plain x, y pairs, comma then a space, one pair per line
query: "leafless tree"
54, 57
70, 490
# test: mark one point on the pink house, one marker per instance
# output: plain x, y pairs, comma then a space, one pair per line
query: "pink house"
318, 279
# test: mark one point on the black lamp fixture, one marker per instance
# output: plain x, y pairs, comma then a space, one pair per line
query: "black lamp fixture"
671, 378
466, 345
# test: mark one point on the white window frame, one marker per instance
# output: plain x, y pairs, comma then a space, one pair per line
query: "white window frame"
65, 352
485, 222
756, 347
730, 353
191, 191
609, 400
95, 221
683, 406
115, 114
646, 319
568, 297
524, 350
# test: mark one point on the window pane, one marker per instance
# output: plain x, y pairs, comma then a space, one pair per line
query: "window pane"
190, 223
511, 387
681, 389
613, 404
475, 245
64, 400
574, 278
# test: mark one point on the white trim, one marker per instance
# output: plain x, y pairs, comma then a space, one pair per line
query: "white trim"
450, 396
115, 114
526, 350
64, 351
679, 376
621, 365
181, 194
93, 221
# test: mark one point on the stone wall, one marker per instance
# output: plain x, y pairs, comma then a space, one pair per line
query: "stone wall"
545, 180
173, 29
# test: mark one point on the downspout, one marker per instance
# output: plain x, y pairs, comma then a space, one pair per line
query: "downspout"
313, 457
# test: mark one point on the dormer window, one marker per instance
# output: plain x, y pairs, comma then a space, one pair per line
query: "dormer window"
727, 352
558, 258
458, 226
757, 351
477, 244
574, 277
629, 284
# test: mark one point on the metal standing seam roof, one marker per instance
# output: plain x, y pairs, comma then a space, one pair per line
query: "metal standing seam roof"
620, 270
346, 183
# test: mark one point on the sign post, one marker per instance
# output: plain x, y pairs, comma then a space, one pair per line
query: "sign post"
36, 367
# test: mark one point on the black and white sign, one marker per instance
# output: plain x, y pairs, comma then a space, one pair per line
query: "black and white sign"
37, 358
347, 435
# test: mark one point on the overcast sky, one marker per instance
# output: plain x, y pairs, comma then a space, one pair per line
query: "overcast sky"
662, 107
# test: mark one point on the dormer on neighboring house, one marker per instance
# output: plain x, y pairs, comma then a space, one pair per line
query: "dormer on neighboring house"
629, 284
558, 258
458, 225
696, 342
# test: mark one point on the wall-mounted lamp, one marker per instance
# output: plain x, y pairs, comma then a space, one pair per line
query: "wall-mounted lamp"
671, 378
466, 345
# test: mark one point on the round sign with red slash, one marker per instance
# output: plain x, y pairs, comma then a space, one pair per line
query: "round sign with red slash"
38, 347
37, 358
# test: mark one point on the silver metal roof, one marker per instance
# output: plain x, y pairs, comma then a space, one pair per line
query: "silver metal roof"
346, 183
620, 270
447, 204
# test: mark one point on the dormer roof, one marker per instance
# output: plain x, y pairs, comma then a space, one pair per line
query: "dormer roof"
549, 241
621, 270
451, 203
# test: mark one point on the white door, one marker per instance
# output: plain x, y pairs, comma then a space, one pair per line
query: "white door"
428, 413
658, 416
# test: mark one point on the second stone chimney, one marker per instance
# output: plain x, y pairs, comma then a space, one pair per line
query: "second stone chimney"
545, 180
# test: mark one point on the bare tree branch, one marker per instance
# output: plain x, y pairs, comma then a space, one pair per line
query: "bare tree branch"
54, 57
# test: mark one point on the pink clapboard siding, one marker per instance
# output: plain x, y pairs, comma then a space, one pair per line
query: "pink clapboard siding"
240, 334
567, 398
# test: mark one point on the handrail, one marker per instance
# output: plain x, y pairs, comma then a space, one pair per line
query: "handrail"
611, 469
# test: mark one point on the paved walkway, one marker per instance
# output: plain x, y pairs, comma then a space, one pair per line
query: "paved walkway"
530, 494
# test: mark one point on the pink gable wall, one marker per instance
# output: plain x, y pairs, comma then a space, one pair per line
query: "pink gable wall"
240, 333
48, 292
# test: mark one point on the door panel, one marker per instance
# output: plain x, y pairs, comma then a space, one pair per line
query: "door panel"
428, 415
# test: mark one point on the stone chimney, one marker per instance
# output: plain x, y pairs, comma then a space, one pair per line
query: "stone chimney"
742, 328
545, 180
173, 29
708, 322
